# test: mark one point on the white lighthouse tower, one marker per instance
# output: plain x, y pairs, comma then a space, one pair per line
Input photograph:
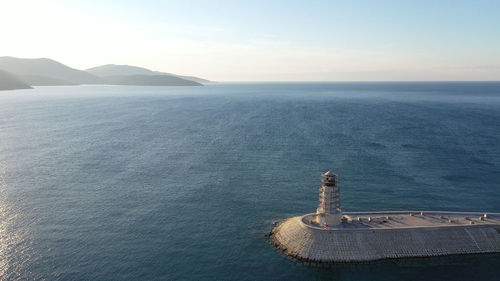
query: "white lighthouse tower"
328, 211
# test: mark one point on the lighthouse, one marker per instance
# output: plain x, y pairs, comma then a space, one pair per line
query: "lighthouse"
328, 212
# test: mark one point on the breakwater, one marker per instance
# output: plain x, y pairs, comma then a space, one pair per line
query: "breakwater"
383, 235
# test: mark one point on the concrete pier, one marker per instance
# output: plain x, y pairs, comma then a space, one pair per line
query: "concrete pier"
367, 241
368, 236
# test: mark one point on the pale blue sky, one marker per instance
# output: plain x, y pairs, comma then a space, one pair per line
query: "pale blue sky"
265, 40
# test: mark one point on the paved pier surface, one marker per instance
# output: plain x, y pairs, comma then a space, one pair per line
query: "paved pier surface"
380, 235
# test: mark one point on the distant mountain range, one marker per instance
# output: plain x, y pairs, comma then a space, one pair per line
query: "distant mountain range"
133, 75
38, 72
17, 73
126, 70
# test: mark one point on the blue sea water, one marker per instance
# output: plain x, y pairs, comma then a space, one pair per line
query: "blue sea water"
184, 183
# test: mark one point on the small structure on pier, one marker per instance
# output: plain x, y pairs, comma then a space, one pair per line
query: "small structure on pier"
328, 212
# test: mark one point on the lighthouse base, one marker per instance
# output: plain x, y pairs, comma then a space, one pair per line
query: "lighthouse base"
329, 219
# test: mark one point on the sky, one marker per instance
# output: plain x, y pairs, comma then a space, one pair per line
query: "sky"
254, 40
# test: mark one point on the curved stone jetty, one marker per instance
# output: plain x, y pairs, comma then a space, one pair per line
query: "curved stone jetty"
332, 236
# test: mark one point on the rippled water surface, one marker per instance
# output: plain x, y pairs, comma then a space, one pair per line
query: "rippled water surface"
169, 183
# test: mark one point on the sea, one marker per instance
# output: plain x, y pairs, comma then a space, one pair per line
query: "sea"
184, 183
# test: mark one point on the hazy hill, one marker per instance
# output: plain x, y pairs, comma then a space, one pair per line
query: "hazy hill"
149, 80
121, 70
11, 82
192, 78
40, 80
118, 70
46, 72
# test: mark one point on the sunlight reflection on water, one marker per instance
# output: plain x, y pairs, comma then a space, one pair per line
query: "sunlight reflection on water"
12, 239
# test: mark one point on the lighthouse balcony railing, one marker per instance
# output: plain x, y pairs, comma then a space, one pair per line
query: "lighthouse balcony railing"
330, 195
323, 203
324, 190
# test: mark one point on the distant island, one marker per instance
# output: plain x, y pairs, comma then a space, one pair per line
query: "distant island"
20, 73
